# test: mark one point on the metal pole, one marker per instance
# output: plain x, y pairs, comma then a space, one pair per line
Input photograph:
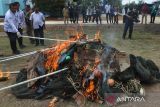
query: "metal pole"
33, 79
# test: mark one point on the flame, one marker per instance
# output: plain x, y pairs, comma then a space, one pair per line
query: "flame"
4, 74
98, 36
54, 55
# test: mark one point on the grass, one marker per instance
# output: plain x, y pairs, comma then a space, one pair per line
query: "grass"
143, 44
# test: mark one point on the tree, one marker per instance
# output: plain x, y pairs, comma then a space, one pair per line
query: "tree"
117, 3
52, 7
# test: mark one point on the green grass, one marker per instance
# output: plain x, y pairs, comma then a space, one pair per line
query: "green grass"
143, 44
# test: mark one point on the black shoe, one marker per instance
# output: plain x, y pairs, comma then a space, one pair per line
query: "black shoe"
16, 52
22, 46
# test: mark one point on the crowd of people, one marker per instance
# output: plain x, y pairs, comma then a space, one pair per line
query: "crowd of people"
92, 13
15, 21
34, 20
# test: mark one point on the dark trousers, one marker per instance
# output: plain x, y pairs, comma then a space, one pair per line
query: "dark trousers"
20, 39
98, 19
153, 18
76, 18
130, 27
108, 17
116, 19
12, 38
124, 18
84, 18
88, 18
39, 33
111, 18
29, 32
94, 17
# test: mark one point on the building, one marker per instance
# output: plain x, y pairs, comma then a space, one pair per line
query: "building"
4, 5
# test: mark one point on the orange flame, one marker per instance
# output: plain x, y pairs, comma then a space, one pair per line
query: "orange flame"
53, 56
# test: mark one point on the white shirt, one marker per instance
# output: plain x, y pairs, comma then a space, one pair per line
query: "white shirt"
108, 8
123, 11
21, 18
10, 22
37, 19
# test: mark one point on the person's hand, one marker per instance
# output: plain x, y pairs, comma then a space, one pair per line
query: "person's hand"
19, 34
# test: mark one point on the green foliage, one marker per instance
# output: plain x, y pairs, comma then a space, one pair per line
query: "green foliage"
117, 3
53, 7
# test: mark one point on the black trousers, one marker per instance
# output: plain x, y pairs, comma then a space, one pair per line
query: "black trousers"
84, 18
98, 19
12, 38
20, 39
153, 18
116, 19
88, 18
130, 27
39, 33
94, 17
108, 17
124, 18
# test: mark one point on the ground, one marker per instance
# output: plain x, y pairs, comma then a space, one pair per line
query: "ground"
143, 44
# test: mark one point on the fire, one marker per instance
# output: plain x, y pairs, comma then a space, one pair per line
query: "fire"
54, 55
4, 74
98, 36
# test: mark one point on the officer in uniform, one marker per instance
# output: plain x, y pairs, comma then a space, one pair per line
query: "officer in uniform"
131, 17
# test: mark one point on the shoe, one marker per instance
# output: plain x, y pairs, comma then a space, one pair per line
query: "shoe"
22, 46
16, 52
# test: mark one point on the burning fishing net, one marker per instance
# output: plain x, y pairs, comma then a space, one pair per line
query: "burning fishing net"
94, 69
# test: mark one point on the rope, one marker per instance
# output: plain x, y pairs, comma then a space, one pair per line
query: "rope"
33, 79
21, 55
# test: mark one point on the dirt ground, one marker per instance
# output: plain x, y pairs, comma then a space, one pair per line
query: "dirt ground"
143, 44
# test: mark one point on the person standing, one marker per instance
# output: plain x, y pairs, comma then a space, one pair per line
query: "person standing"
21, 24
94, 14
112, 14
76, 14
98, 15
88, 14
38, 22
11, 27
144, 12
153, 13
27, 13
123, 13
84, 14
129, 23
71, 13
116, 15
108, 11
65, 14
